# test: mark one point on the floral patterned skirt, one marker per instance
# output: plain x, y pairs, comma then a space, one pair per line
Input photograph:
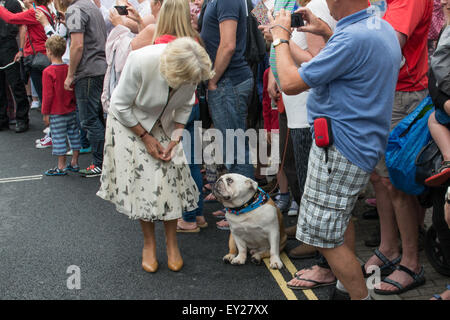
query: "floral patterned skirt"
139, 185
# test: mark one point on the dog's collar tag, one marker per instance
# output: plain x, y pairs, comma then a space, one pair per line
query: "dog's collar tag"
260, 198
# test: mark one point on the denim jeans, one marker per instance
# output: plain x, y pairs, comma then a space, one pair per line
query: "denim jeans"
228, 106
88, 92
190, 216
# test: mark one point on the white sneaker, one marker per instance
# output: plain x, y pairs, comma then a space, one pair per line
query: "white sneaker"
46, 130
41, 140
47, 143
293, 210
34, 105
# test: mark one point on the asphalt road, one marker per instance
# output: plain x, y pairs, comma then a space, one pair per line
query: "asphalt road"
50, 224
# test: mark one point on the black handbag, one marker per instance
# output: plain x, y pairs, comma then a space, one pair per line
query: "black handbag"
428, 162
38, 61
205, 116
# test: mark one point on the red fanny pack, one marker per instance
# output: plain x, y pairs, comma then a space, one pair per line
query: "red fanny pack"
323, 135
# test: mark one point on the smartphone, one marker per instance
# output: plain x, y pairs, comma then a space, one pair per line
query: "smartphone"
297, 20
34, 6
122, 10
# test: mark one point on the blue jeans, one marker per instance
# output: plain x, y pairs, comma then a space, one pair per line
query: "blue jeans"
190, 216
228, 106
88, 92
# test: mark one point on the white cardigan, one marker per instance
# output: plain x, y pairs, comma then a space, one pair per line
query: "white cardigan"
141, 96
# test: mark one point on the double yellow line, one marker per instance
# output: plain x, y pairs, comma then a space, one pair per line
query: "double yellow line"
290, 295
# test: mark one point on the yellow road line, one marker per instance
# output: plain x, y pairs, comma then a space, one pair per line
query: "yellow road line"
290, 295
292, 269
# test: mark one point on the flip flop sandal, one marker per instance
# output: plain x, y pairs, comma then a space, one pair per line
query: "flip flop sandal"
438, 297
55, 172
181, 230
223, 227
419, 279
202, 226
441, 177
386, 268
209, 198
219, 215
317, 284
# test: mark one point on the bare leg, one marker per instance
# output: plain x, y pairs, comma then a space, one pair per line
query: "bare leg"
61, 162
174, 259
347, 269
441, 136
388, 223
76, 154
406, 213
149, 262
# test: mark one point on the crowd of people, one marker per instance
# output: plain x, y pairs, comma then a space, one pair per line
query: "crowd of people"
125, 80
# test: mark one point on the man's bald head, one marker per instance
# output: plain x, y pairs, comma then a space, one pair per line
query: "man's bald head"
342, 8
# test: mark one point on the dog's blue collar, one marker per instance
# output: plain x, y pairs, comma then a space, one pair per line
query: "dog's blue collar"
260, 198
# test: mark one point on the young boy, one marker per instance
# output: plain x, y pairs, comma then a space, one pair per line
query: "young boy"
58, 108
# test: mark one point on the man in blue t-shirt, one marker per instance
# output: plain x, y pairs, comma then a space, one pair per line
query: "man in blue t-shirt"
224, 32
353, 84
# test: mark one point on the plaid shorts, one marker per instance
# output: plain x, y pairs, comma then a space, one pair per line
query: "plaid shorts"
331, 191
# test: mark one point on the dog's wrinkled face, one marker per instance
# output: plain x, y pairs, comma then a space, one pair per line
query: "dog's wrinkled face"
234, 190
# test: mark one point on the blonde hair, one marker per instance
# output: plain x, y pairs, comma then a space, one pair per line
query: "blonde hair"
175, 19
56, 45
185, 61
61, 5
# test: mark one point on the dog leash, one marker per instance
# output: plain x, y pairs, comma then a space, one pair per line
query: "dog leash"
284, 158
8, 65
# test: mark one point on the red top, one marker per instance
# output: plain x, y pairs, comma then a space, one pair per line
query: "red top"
412, 18
56, 99
35, 29
270, 116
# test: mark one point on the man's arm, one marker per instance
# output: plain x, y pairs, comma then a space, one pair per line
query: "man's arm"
225, 52
76, 53
290, 80
22, 33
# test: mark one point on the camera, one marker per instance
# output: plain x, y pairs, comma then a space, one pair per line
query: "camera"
122, 10
297, 20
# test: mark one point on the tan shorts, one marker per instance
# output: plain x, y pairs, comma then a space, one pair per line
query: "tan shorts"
404, 104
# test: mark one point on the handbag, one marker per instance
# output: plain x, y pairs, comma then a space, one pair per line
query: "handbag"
428, 161
404, 144
38, 61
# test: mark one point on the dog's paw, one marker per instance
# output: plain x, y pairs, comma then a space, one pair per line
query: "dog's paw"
275, 262
228, 258
238, 261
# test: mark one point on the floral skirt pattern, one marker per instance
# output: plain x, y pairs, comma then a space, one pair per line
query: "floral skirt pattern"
139, 185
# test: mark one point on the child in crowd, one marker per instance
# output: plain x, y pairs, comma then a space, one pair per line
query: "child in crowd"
59, 108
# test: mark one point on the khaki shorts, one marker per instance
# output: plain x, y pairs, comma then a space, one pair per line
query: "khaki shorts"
404, 104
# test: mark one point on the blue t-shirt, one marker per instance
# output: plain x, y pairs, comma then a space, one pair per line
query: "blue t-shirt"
353, 80
216, 12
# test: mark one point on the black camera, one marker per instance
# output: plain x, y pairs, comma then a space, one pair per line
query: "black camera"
122, 10
297, 20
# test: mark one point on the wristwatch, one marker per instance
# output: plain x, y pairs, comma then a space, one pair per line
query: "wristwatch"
277, 42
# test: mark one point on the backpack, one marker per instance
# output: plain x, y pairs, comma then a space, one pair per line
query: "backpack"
256, 45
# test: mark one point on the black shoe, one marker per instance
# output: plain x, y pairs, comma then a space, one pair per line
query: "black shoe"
370, 214
21, 126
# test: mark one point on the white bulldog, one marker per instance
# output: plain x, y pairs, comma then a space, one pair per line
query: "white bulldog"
260, 230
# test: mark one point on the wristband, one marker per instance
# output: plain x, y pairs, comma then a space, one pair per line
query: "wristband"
285, 29
21, 49
143, 135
